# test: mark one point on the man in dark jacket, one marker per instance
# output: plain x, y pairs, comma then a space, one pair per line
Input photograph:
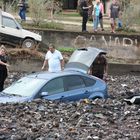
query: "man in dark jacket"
84, 7
99, 67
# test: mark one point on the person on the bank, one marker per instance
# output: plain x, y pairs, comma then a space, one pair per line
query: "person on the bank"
22, 10
120, 20
99, 67
84, 6
96, 16
53, 60
3, 67
101, 15
114, 14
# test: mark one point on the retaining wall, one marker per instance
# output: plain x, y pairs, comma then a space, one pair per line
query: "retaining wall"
119, 46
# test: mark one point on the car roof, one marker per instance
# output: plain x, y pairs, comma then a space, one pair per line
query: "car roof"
7, 14
50, 75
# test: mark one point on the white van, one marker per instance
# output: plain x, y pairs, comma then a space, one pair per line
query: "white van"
12, 33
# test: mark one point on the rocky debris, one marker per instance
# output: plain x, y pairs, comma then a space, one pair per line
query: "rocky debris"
112, 119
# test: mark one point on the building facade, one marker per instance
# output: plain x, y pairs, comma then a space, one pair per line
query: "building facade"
72, 4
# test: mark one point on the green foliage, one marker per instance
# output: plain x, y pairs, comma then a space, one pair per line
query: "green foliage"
131, 13
52, 25
45, 25
126, 30
69, 14
37, 11
66, 49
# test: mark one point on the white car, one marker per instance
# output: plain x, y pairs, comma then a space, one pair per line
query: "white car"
12, 33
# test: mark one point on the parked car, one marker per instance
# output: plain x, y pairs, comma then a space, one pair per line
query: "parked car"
12, 33
72, 84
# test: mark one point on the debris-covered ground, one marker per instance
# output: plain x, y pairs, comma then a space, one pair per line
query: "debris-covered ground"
84, 120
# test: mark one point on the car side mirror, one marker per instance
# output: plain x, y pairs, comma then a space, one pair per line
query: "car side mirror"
44, 94
17, 28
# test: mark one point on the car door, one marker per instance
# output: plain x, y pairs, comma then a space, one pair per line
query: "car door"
10, 30
75, 88
54, 89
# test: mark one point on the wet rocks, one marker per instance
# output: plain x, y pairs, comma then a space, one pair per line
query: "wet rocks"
83, 120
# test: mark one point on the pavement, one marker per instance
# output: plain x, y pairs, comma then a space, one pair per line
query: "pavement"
71, 21
75, 22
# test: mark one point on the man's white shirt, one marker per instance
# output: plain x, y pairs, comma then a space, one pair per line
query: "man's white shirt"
54, 59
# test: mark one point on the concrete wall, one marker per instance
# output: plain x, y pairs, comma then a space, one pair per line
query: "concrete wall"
34, 65
118, 46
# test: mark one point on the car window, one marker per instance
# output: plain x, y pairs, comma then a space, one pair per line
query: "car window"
73, 82
88, 81
9, 22
54, 86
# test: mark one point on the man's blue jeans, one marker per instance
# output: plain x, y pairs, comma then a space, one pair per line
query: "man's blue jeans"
22, 14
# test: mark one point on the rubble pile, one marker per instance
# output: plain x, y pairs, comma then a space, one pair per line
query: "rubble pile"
111, 119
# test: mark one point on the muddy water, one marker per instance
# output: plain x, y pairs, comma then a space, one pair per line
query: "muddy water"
83, 120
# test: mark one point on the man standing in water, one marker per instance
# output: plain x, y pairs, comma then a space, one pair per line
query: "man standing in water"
53, 60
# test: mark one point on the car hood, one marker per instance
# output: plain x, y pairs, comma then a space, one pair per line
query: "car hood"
82, 59
13, 99
30, 34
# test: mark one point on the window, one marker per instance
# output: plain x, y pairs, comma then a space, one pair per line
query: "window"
73, 82
54, 86
88, 81
8, 22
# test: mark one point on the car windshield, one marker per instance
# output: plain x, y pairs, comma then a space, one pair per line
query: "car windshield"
25, 86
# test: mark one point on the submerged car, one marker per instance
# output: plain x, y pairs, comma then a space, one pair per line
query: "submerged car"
12, 33
72, 84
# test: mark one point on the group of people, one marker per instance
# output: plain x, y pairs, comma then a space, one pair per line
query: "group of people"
98, 12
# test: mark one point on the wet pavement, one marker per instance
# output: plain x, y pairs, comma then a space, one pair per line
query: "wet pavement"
112, 119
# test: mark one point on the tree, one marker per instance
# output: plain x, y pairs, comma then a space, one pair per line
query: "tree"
53, 6
40, 9
37, 11
130, 12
